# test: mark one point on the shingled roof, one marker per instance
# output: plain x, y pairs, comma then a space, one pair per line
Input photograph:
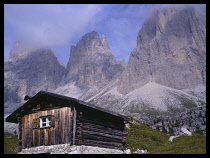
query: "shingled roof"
77, 103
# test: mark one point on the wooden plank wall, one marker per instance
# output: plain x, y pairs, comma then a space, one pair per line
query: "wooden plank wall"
61, 133
100, 131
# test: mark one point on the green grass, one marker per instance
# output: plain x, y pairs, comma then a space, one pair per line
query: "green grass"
10, 143
195, 144
144, 137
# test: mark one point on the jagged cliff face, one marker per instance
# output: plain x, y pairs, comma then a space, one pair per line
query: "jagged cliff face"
89, 45
98, 70
171, 50
91, 62
35, 70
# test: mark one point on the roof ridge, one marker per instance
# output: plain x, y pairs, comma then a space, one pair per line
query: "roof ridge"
13, 118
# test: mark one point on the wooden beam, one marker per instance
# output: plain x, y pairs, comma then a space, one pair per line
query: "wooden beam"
87, 124
104, 130
74, 124
104, 120
35, 109
100, 123
100, 134
103, 142
101, 138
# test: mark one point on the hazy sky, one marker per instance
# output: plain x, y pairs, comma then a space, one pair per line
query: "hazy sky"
59, 26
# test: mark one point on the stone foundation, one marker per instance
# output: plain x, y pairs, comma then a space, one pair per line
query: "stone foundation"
67, 149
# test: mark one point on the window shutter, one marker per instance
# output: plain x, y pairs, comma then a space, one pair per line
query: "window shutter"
35, 123
52, 120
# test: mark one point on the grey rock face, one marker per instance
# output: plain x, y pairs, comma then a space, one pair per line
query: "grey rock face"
91, 62
104, 43
98, 70
171, 50
89, 45
26, 76
194, 119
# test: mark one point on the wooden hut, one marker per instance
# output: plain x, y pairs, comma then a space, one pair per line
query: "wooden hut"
52, 119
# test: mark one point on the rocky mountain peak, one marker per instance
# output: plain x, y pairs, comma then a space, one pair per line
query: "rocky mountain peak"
87, 49
90, 42
123, 63
19, 50
91, 63
170, 40
38, 70
104, 43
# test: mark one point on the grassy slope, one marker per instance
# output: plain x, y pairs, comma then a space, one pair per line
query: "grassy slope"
144, 137
10, 143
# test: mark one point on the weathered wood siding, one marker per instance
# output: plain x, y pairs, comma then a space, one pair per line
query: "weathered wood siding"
100, 130
73, 126
61, 133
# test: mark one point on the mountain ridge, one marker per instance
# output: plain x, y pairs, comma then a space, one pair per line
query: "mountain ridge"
163, 71
178, 48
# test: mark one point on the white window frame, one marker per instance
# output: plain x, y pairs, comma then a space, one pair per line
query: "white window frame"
47, 121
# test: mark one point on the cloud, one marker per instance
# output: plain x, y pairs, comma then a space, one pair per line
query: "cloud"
199, 8
60, 25
47, 24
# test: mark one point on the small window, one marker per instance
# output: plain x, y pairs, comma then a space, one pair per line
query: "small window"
45, 122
